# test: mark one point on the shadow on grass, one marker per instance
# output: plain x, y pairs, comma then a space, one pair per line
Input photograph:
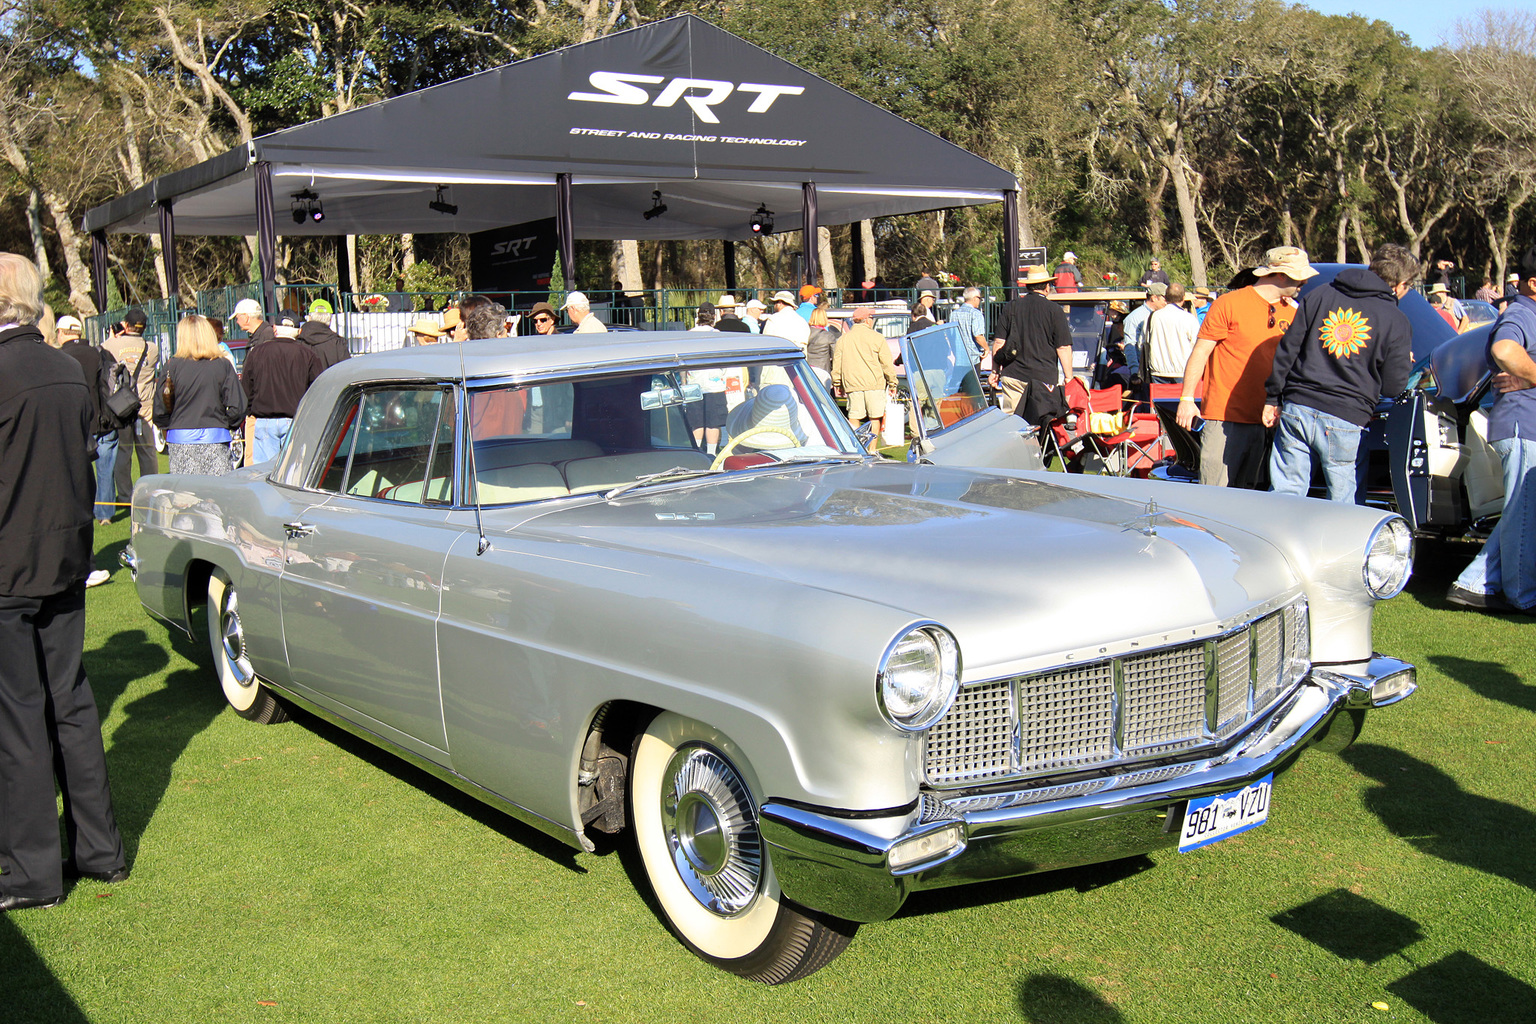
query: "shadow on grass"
390, 764
1054, 999
1488, 679
1082, 879
1461, 989
1427, 808
32, 993
1351, 927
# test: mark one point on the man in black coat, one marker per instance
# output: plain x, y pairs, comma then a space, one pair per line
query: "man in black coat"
49, 727
1348, 346
328, 346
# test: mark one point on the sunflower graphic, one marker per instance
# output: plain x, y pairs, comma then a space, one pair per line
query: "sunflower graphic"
1344, 332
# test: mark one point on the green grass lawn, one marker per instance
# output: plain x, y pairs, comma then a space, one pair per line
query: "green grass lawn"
292, 873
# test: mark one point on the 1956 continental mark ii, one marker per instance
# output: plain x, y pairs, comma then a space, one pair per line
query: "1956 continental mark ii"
808, 681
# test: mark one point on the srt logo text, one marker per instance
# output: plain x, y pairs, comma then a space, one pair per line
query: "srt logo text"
702, 94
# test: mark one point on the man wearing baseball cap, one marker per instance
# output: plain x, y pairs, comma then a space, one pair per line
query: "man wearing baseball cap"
580, 312
249, 317
90, 359
754, 318
128, 346
276, 375
1234, 353
784, 322
328, 346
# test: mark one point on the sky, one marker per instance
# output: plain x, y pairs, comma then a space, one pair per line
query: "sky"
1427, 22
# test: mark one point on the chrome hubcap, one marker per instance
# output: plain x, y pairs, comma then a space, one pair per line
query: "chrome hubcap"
711, 829
233, 639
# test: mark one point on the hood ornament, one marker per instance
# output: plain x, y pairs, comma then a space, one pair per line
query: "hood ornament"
1146, 523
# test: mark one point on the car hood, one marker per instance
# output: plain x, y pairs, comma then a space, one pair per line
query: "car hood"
1023, 568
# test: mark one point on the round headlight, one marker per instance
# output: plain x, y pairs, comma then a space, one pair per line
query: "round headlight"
1388, 558
918, 677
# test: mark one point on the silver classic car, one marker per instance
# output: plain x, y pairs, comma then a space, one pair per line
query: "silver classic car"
807, 681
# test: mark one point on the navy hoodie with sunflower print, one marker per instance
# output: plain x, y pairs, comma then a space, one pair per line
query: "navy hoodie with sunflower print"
1348, 345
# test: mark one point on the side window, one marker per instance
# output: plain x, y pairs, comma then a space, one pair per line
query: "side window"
394, 444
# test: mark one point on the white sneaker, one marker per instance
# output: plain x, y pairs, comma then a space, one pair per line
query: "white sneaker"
97, 578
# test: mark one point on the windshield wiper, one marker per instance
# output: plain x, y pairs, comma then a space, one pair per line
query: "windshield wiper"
675, 473
830, 457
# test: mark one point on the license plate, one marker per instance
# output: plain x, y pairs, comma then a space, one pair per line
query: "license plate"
1220, 815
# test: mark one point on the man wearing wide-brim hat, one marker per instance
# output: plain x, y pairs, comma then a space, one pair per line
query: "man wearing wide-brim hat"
1233, 354
1032, 351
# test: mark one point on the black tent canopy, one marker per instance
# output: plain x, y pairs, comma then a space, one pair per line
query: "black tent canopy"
720, 127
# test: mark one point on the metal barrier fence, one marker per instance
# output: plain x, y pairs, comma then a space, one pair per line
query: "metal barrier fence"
377, 321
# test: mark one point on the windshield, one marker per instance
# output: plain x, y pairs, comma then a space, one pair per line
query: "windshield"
943, 378
577, 436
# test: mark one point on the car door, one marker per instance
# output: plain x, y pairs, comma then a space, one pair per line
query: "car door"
1408, 455
362, 580
953, 424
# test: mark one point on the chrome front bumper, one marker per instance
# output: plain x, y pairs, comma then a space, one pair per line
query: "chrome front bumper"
863, 868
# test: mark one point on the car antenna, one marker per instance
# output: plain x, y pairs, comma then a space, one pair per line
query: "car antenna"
474, 477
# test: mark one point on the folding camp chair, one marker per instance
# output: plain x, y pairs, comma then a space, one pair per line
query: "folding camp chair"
1067, 437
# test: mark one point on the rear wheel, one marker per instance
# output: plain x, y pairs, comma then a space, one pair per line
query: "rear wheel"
696, 827
226, 636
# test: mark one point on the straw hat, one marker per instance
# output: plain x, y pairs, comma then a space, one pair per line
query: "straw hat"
427, 328
1036, 275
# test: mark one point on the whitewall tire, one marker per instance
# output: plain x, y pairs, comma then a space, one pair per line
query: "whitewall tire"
226, 638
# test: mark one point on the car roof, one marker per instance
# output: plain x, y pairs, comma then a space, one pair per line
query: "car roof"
543, 354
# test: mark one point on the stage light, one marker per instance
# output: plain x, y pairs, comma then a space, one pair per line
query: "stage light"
762, 221
657, 206
306, 206
441, 205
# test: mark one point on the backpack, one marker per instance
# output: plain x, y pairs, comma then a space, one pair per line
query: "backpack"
118, 390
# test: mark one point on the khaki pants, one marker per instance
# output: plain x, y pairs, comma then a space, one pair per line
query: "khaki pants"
1010, 392
1231, 453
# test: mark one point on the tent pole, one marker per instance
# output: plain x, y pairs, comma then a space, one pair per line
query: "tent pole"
168, 250
812, 239
729, 248
266, 237
1010, 267
99, 269
565, 231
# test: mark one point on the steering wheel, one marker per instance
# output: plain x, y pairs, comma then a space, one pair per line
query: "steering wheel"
730, 446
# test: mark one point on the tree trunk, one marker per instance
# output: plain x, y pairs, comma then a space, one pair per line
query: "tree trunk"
35, 222
357, 282
1341, 239
1155, 212
1186, 201
75, 270
867, 244
824, 257
1354, 223
1287, 225
407, 252
626, 266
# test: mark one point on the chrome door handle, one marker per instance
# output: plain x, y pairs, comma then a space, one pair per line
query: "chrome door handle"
297, 529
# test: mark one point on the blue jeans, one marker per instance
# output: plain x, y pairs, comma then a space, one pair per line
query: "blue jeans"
271, 432
1304, 431
106, 462
1507, 562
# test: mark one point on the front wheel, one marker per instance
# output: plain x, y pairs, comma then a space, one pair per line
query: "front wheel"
226, 636
696, 828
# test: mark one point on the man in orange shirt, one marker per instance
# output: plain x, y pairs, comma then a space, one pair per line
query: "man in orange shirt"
1234, 353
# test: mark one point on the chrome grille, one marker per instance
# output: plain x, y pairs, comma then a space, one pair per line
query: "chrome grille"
1119, 710
1268, 660
1231, 679
1164, 699
976, 738
1067, 719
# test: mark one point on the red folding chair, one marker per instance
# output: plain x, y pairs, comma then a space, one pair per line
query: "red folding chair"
1067, 437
